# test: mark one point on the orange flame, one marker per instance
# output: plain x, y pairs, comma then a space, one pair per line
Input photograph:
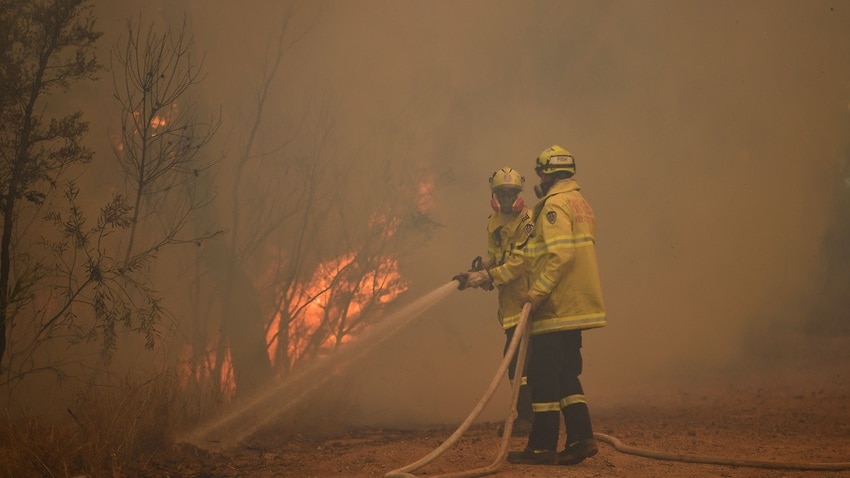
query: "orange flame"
425, 196
336, 301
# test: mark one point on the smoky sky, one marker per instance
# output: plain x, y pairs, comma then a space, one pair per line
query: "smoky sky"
704, 133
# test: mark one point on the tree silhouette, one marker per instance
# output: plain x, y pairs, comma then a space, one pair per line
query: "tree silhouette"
161, 135
72, 275
46, 46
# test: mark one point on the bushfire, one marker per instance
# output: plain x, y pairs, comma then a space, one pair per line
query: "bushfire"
344, 296
330, 308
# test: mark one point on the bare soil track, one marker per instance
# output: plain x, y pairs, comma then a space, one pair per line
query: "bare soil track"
796, 412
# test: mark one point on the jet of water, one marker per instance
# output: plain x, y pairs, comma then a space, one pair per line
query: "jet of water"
247, 416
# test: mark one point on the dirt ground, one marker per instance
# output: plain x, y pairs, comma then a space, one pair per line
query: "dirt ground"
799, 412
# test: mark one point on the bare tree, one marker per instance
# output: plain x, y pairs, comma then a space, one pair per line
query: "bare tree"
294, 245
371, 219
161, 148
45, 46
161, 135
259, 175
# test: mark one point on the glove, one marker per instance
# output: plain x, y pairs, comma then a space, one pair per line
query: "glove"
462, 280
474, 280
479, 279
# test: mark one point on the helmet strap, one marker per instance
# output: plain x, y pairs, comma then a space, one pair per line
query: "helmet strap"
540, 190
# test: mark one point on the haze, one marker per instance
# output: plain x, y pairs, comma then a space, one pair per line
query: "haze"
706, 135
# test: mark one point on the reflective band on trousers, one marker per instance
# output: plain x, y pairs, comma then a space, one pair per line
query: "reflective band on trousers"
523, 381
557, 406
545, 407
572, 400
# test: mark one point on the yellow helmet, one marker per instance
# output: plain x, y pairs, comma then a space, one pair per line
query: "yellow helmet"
505, 186
555, 158
506, 178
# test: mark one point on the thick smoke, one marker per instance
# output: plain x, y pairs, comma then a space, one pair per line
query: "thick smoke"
704, 135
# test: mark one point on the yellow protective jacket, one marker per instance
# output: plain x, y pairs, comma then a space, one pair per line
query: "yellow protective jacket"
561, 260
506, 233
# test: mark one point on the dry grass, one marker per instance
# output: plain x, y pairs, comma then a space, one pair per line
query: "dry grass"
105, 432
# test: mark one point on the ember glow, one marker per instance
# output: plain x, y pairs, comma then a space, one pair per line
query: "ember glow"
158, 122
425, 198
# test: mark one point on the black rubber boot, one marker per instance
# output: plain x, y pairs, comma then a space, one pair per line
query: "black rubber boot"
544, 432
580, 442
577, 451
534, 457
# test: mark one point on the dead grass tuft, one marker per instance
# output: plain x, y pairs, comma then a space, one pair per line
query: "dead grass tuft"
107, 430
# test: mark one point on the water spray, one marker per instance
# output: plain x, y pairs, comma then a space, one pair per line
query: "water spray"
250, 415
253, 413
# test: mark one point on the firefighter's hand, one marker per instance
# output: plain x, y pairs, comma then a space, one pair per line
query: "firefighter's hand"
462, 280
480, 279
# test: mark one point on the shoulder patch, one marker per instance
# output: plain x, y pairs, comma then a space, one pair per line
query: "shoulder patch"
551, 216
529, 228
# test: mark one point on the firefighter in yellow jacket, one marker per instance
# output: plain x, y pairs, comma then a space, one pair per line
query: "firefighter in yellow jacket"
508, 228
566, 298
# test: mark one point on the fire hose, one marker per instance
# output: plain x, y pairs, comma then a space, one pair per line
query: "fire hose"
519, 347
711, 460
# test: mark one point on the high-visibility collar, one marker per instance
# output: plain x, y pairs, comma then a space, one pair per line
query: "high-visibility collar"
564, 186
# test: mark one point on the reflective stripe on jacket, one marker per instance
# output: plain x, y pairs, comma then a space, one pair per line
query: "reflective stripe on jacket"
561, 255
504, 234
